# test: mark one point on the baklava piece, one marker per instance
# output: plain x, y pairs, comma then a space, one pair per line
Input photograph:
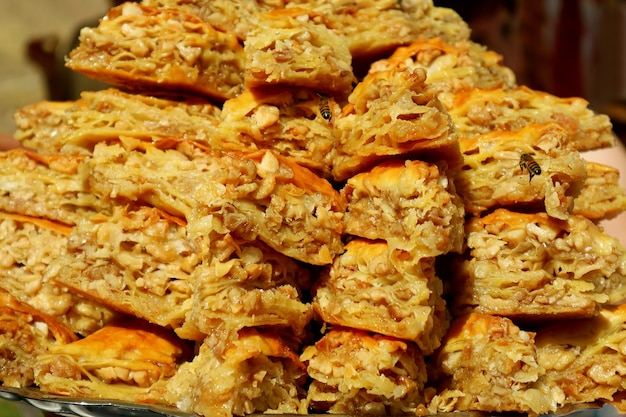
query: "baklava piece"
142, 48
478, 110
584, 360
531, 168
52, 187
293, 122
136, 261
391, 113
383, 290
295, 47
376, 29
131, 361
601, 197
108, 114
254, 286
25, 334
412, 205
234, 375
451, 67
28, 245
259, 195
533, 266
487, 363
353, 372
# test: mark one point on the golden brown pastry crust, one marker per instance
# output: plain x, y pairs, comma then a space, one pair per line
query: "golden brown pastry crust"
601, 196
374, 28
374, 287
25, 333
390, 113
584, 359
530, 265
252, 195
451, 66
47, 186
142, 48
412, 205
130, 361
286, 120
138, 261
28, 246
248, 372
478, 110
493, 174
487, 363
356, 372
296, 47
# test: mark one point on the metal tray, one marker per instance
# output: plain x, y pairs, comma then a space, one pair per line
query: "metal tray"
82, 407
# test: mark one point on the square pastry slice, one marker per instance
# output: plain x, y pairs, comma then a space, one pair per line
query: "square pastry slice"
584, 360
412, 205
533, 266
392, 113
452, 66
601, 197
144, 48
28, 246
487, 363
374, 287
129, 361
235, 374
75, 127
530, 169
354, 372
479, 110
296, 47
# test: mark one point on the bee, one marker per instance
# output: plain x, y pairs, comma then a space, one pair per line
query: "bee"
526, 161
325, 111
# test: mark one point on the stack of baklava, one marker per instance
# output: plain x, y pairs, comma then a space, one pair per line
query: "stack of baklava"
309, 206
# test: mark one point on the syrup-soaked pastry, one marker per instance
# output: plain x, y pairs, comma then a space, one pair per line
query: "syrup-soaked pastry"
354, 372
412, 205
601, 197
391, 113
136, 261
251, 287
533, 266
253, 195
48, 186
108, 114
584, 359
375, 28
237, 374
143, 48
452, 67
294, 122
230, 16
487, 363
130, 361
374, 287
25, 333
38, 125
28, 245
478, 110
295, 47
531, 167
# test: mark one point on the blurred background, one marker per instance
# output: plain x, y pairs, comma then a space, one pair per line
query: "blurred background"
564, 47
